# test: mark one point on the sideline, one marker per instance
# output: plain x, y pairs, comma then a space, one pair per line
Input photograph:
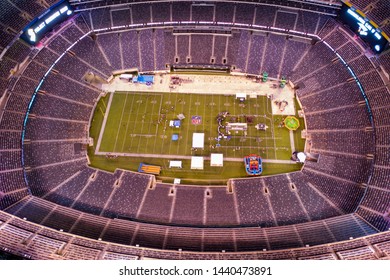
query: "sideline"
187, 157
104, 123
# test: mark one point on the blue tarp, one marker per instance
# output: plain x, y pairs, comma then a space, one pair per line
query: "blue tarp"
144, 79
176, 123
175, 137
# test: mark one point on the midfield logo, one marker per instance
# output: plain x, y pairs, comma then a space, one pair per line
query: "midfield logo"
196, 120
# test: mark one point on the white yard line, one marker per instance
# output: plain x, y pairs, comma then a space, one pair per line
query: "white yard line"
249, 114
104, 123
174, 111
158, 118
165, 124
257, 113
234, 114
204, 110
265, 111
127, 125
119, 125
212, 131
151, 123
273, 130
165, 156
181, 111
135, 123
196, 112
189, 122
292, 142
143, 122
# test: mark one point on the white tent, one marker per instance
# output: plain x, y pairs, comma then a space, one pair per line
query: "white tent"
240, 95
126, 77
175, 163
216, 160
301, 157
198, 140
196, 162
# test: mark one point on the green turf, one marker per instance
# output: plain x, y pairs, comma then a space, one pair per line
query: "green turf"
98, 117
210, 175
138, 123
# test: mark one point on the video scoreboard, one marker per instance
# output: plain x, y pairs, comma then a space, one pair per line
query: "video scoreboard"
37, 29
366, 29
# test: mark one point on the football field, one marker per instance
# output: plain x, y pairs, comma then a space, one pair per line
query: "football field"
138, 123
137, 129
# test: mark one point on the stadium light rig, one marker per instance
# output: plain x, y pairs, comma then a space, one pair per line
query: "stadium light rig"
46, 22
366, 29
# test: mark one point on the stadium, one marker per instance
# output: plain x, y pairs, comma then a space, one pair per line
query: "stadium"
125, 126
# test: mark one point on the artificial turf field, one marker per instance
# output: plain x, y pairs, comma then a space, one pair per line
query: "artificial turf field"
138, 123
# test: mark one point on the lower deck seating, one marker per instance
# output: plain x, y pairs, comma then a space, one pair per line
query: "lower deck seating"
208, 239
22, 237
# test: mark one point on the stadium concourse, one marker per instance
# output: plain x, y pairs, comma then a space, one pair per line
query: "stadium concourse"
55, 206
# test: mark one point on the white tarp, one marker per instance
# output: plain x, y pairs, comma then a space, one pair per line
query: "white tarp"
175, 163
198, 140
196, 162
127, 77
216, 160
